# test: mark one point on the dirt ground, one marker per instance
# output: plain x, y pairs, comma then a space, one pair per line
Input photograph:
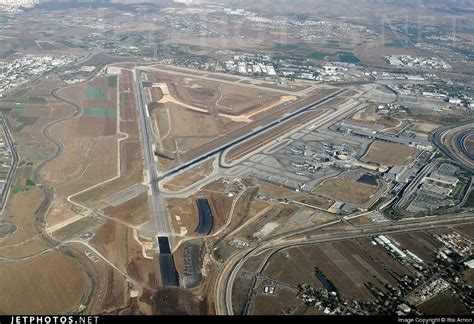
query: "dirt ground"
178, 301
184, 215
277, 304
134, 211
426, 126
265, 138
98, 166
190, 176
40, 286
386, 154
191, 119
347, 190
236, 101
443, 304
467, 230
22, 209
344, 263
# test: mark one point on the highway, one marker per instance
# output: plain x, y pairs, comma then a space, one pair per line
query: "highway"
159, 223
459, 150
14, 164
461, 143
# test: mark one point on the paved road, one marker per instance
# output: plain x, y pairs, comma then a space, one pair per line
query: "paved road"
458, 152
250, 135
14, 164
461, 143
204, 76
224, 286
159, 223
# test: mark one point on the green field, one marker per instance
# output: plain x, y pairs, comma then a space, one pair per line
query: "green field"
333, 44
470, 200
33, 155
100, 112
112, 81
30, 182
318, 55
286, 46
348, 57
21, 102
96, 93
16, 188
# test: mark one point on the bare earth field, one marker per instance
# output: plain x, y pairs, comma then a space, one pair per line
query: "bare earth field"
385, 153
22, 208
51, 284
443, 304
134, 211
275, 305
347, 190
190, 176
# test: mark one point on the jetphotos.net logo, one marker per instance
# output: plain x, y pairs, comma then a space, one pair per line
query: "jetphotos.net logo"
54, 320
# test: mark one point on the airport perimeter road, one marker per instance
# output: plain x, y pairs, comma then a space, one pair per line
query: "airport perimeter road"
461, 144
228, 274
159, 223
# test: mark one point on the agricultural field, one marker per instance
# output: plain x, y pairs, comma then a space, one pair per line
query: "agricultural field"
349, 265
83, 133
88, 156
444, 304
389, 154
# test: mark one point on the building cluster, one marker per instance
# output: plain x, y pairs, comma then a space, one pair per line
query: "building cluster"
21, 71
408, 61
436, 190
454, 243
398, 76
454, 95
203, 26
429, 290
404, 255
90, 22
76, 76
15, 5
239, 12
332, 32
445, 38
261, 65
241, 65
